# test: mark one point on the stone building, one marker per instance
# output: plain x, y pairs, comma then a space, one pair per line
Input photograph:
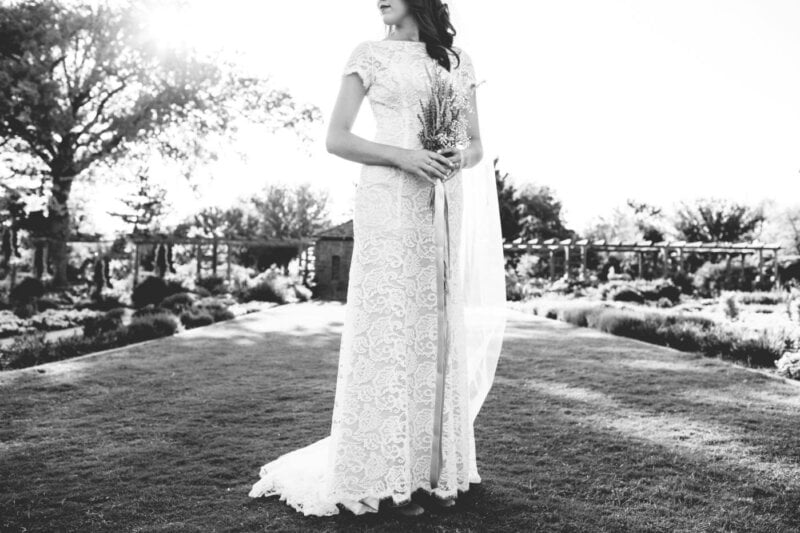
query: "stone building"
333, 250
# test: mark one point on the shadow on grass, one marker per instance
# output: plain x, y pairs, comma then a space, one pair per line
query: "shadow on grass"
582, 431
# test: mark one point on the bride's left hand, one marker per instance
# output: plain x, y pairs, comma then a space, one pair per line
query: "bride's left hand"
456, 156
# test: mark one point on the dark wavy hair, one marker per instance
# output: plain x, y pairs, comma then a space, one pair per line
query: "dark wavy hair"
435, 28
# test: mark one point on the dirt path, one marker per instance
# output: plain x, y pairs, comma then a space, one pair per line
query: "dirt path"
582, 431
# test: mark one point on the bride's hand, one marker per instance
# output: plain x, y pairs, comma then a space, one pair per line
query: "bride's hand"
456, 158
425, 164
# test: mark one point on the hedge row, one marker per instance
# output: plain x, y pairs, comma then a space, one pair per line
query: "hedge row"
686, 332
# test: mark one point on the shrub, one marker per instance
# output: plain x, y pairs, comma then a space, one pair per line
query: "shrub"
202, 292
24, 351
195, 319
683, 281
26, 291
178, 303
151, 326
761, 297
789, 365
302, 292
153, 290
664, 303
29, 350
103, 323
579, 315
148, 310
213, 284
268, 290
628, 295
513, 286
731, 309
761, 350
149, 292
214, 308
684, 335
670, 292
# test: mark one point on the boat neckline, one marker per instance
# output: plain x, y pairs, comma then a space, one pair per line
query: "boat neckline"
399, 41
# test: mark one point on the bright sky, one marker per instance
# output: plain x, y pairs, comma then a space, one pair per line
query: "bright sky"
602, 101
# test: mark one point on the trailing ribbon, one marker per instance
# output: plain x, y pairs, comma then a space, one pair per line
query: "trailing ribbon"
442, 238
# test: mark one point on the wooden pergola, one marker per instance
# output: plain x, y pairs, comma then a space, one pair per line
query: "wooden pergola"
664, 249
215, 242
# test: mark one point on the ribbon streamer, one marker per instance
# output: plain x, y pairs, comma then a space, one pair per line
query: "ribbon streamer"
442, 238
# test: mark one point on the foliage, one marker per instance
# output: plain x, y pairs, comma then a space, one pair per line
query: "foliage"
179, 302
731, 308
81, 84
713, 219
789, 365
213, 307
145, 204
196, 319
151, 326
758, 348
530, 211
291, 213
26, 291
30, 350
100, 324
712, 278
269, 286
153, 290
213, 284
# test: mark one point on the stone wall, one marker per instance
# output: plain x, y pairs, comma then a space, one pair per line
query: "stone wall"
332, 285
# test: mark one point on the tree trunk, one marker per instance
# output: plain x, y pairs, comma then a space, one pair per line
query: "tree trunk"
59, 229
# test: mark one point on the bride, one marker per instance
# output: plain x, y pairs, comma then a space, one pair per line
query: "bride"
425, 310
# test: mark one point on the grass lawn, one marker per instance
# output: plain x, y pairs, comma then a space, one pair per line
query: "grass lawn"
582, 431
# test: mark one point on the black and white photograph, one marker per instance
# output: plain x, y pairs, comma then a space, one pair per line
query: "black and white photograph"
399, 266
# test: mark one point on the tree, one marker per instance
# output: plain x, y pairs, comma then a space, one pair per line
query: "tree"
714, 219
146, 203
80, 85
509, 221
292, 213
529, 212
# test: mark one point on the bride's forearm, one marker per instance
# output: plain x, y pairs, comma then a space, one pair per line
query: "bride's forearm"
473, 154
349, 146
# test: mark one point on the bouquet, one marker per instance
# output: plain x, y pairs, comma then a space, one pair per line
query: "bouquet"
443, 116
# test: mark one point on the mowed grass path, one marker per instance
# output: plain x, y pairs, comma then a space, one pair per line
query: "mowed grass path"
582, 431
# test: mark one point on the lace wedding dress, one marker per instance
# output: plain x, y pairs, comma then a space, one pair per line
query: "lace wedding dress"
380, 443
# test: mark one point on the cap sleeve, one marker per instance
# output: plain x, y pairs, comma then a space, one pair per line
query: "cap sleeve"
361, 62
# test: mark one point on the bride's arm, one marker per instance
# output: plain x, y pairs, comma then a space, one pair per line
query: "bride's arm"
473, 154
342, 142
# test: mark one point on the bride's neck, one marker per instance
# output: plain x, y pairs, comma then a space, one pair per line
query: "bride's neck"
401, 33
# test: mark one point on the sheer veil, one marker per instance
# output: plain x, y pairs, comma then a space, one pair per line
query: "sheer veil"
483, 265
483, 274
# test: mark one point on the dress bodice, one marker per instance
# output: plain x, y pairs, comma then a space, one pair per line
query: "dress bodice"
395, 76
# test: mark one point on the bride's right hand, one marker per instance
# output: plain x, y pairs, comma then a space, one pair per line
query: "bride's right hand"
425, 164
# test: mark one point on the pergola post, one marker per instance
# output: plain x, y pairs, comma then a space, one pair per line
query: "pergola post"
666, 261
199, 256
760, 265
552, 264
135, 264
228, 261
583, 262
566, 261
640, 256
214, 256
680, 260
777, 286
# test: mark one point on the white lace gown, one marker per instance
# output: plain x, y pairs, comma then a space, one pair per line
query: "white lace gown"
380, 443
